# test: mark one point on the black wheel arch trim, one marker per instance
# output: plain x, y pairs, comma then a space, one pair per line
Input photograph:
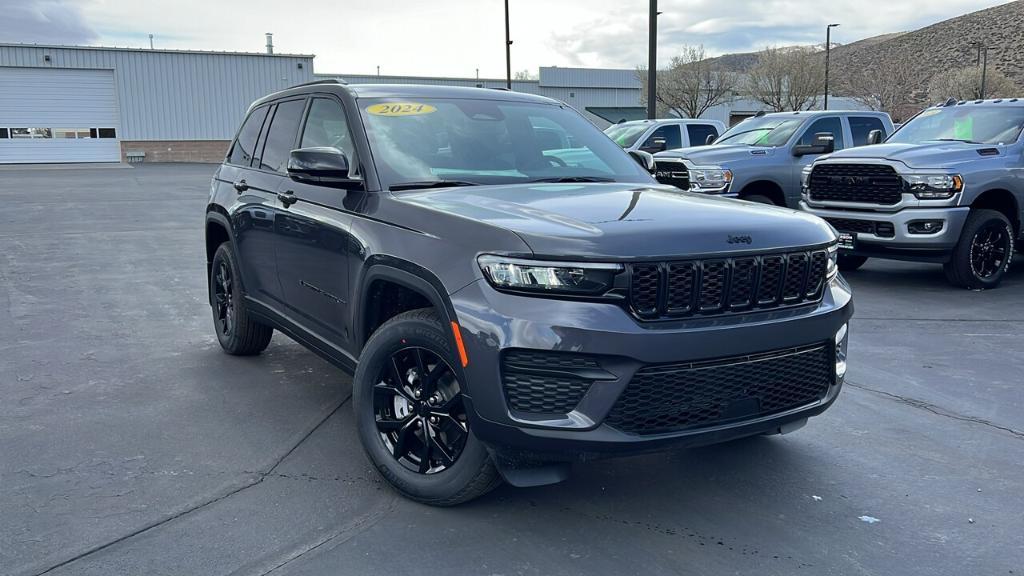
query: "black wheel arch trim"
215, 214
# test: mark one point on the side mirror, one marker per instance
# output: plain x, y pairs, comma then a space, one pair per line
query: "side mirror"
645, 159
875, 137
824, 143
710, 139
655, 145
325, 166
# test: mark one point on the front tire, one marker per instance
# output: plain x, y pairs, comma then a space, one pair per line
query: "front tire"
984, 252
238, 332
410, 416
851, 262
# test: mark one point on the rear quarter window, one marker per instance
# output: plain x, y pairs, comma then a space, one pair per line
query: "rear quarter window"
861, 126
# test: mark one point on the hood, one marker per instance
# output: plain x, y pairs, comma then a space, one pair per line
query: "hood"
718, 155
623, 220
941, 155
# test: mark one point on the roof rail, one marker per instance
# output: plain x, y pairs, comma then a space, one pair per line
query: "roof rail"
326, 81
500, 88
760, 113
949, 102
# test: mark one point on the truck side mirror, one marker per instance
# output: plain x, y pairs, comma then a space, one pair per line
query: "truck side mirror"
875, 137
710, 140
655, 145
824, 143
645, 159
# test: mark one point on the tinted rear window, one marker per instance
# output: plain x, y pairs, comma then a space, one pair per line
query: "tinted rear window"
241, 152
699, 133
861, 126
281, 137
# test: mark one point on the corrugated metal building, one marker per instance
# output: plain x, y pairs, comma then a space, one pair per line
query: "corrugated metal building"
604, 96
81, 104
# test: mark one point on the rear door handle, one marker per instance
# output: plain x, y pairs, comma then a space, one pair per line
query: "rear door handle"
287, 198
241, 186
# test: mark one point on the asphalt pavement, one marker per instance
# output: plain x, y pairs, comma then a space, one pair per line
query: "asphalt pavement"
130, 444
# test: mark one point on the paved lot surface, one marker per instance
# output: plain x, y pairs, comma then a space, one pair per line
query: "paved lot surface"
129, 444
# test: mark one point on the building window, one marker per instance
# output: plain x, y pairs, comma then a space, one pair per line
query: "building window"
72, 133
31, 133
107, 133
4, 133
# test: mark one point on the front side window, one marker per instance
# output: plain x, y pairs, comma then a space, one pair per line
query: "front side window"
762, 131
996, 124
242, 151
280, 141
669, 134
489, 142
627, 134
699, 133
832, 125
326, 126
861, 126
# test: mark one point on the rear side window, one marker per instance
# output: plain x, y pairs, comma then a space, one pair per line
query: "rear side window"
242, 151
831, 124
670, 133
699, 133
281, 137
861, 126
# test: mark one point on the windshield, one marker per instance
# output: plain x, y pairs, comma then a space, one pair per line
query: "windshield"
422, 141
763, 131
626, 135
976, 124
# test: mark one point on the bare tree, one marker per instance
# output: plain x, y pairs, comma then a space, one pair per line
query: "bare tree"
965, 84
691, 84
892, 85
787, 78
523, 75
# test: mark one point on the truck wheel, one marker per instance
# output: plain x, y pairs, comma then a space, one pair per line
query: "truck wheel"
850, 262
759, 199
983, 254
410, 415
237, 331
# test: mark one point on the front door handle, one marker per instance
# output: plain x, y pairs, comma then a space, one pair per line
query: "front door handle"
241, 186
287, 198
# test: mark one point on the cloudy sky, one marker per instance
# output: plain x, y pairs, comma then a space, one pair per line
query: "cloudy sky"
457, 37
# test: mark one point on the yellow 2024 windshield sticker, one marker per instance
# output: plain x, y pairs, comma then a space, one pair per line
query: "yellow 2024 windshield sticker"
400, 109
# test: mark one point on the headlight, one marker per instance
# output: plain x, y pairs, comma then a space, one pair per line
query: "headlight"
934, 186
833, 262
805, 177
576, 278
710, 178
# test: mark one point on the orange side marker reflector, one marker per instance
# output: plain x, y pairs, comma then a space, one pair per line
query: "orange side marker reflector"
460, 345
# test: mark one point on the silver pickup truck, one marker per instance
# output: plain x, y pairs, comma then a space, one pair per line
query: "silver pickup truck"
761, 158
947, 187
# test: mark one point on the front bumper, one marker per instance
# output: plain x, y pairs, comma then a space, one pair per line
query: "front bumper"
493, 322
902, 243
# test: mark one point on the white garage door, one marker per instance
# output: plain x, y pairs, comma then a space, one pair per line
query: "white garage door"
58, 115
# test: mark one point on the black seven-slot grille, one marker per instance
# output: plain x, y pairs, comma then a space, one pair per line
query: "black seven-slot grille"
675, 397
663, 290
672, 173
867, 183
551, 383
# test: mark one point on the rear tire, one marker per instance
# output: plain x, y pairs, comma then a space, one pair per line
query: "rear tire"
409, 414
984, 252
851, 262
238, 332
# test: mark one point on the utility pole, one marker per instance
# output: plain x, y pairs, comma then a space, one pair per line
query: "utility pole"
984, 69
508, 52
828, 49
652, 62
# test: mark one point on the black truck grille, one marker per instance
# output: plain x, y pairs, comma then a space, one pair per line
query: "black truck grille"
672, 173
867, 183
666, 290
546, 382
670, 398
882, 229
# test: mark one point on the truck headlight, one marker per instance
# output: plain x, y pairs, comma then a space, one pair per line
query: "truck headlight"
832, 269
710, 178
934, 186
573, 278
805, 177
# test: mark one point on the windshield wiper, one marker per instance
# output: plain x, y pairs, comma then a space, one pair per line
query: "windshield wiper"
430, 184
955, 140
575, 179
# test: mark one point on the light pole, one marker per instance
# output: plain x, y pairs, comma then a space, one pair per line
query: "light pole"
983, 62
828, 49
652, 62
508, 52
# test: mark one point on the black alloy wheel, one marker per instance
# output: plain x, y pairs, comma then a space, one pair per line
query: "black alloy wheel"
990, 248
224, 299
418, 410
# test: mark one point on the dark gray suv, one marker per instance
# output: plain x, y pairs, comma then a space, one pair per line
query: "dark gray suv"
512, 290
